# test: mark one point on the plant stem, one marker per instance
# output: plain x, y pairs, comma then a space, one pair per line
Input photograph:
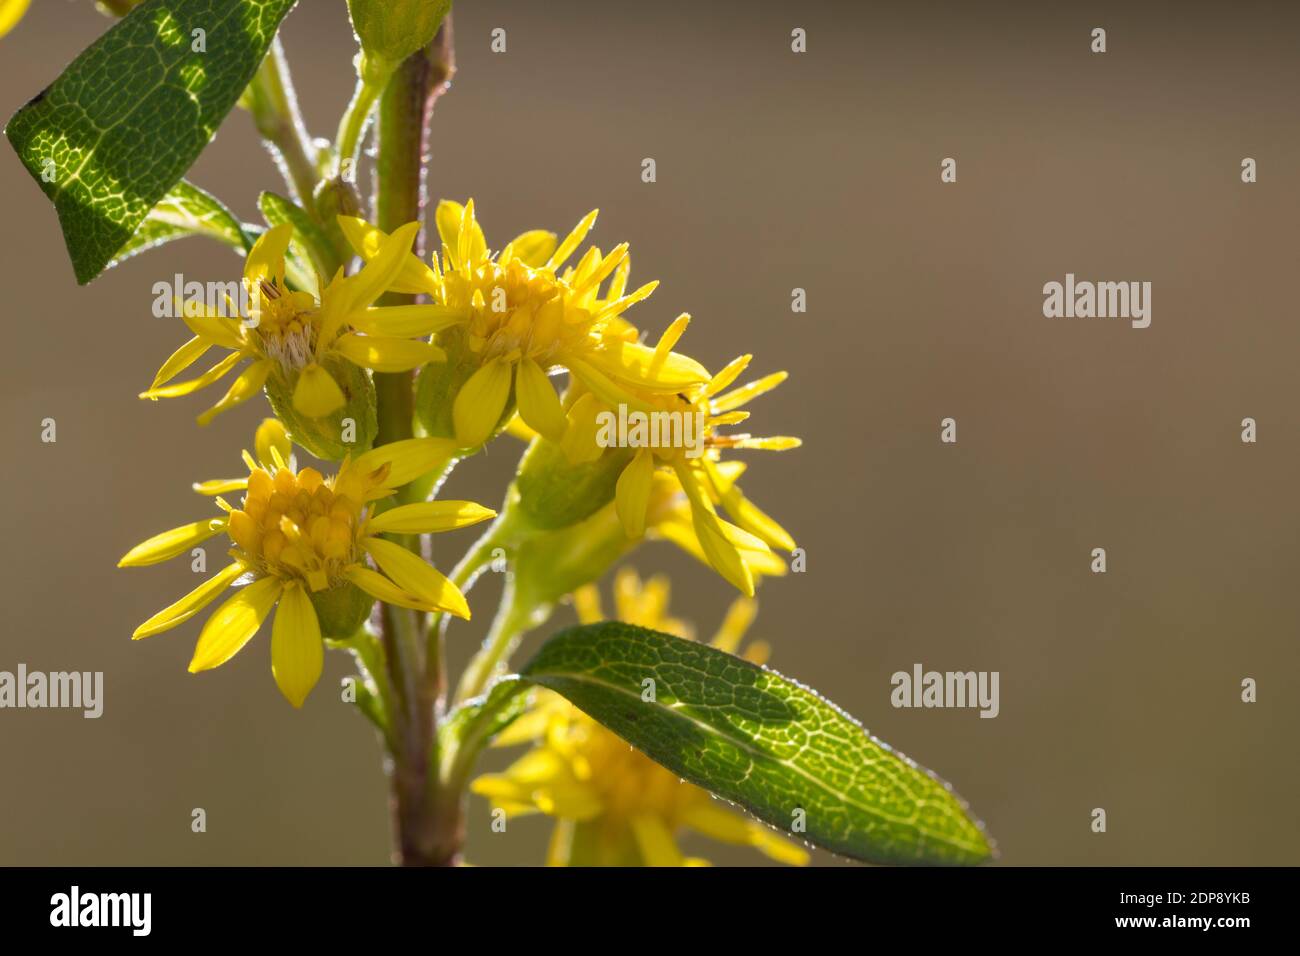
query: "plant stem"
424, 835
274, 107
512, 621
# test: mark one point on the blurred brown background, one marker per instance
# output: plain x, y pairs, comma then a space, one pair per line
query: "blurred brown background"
775, 170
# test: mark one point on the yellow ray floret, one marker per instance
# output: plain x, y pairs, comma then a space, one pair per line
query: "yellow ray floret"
299, 535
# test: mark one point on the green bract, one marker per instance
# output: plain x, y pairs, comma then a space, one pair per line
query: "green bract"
391, 30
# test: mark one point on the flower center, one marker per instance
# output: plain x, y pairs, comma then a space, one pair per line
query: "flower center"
516, 311
285, 324
299, 526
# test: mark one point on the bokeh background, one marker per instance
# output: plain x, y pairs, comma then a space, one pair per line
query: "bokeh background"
775, 171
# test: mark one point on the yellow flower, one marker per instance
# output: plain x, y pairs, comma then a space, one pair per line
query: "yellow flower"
300, 542
670, 517
613, 805
515, 318
699, 470
291, 335
11, 11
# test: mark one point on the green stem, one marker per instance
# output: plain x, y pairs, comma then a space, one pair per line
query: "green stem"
512, 621
274, 107
423, 832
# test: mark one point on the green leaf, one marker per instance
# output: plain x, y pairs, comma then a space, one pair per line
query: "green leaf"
122, 124
186, 210
760, 740
309, 244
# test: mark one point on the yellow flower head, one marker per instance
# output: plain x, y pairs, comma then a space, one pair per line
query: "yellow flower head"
613, 804
707, 481
301, 540
518, 316
293, 336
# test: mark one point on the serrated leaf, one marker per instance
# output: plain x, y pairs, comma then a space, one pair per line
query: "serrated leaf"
122, 124
186, 210
760, 740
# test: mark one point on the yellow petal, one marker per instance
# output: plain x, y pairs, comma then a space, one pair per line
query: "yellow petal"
724, 825
220, 486
429, 517
572, 240
317, 394
480, 402
231, 625
387, 354
642, 367
748, 515
11, 11
632, 494
194, 384
407, 459
534, 247
377, 275
378, 586
272, 436
266, 258
180, 360
579, 443
539, 406
520, 429
248, 384
728, 375
739, 616
722, 554
416, 277
297, 651
773, 443
746, 393
408, 321
184, 609
625, 302
655, 840
212, 327
586, 604
669, 339
410, 573
448, 217
171, 543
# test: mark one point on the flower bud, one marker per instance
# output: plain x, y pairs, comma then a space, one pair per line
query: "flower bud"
348, 428
391, 30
